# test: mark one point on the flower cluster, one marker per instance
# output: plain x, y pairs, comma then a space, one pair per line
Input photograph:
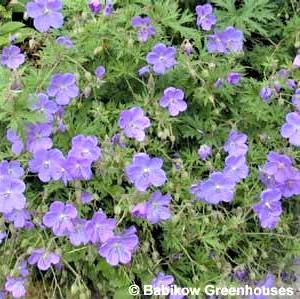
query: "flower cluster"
220, 186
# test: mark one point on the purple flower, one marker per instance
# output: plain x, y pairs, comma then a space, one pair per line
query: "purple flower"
15, 286
43, 258
48, 164
144, 26
187, 47
60, 217
291, 186
204, 152
144, 71
145, 171
85, 147
173, 98
265, 94
17, 143
278, 166
12, 58
236, 145
47, 107
78, 169
63, 87
291, 84
228, 41
23, 269
133, 122
219, 83
296, 99
165, 281
100, 228
119, 248
46, 14
38, 137
11, 194
86, 197
269, 208
108, 9
156, 209
283, 73
12, 169
116, 139
20, 218
162, 58
233, 78
100, 72
266, 283
78, 235
291, 128
3, 236
217, 188
236, 168
65, 41
205, 17
95, 6
296, 62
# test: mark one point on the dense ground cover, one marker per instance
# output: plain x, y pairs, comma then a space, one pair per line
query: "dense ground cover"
148, 142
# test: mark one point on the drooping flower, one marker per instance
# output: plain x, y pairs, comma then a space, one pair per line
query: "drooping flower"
291, 128
228, 41
133, 122
119, 248
60, 217
145, 171
48, 164
20, 218
15, 286
204, 152
217, 188
235, 144
205, 17
265, 284
65, 41
16, 141
78, 235
45, 14
266, 93
85, 147
236, 168
11, 168
45, 106
269, 208
173, 99
187, 47
86, 197
11, 194
12, 57
100, 72
162, 58
23, 270
144, 71
291, 84
100, 228
43, 258
38, 137
156, 209
279, 166
233, 78
95, 6
144, 26
219, 83
108, 9
63, 88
